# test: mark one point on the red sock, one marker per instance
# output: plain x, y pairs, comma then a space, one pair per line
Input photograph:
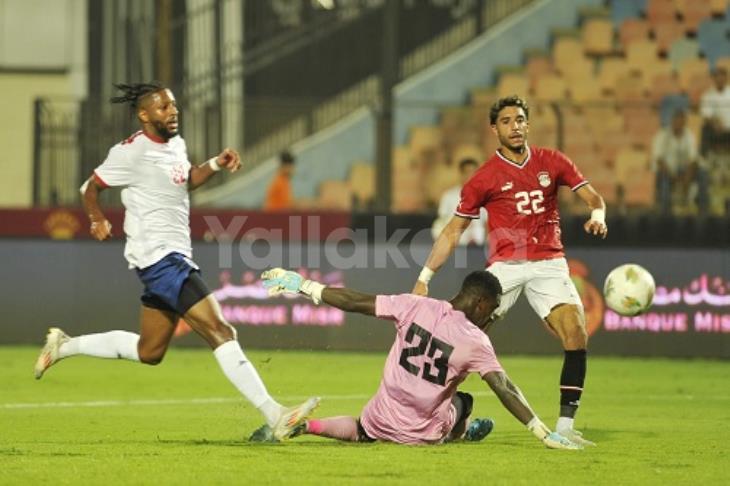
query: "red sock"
341, 428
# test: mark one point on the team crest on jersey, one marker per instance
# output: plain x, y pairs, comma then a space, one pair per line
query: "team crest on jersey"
543, 178
179, 175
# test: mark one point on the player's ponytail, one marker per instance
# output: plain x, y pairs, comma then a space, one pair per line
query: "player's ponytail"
133, 93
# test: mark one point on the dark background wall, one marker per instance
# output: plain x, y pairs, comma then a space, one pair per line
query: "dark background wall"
85, 286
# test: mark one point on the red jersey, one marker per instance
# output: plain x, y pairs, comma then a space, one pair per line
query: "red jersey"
521, 202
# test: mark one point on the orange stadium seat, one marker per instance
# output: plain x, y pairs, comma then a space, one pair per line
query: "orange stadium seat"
723, 62
641, 52
693, 12
641, 123
597, 35
440, 178
483, 96
538, 66
666, 33
690, 70
630, 88
663, 84
512, 83
718, 7
335, 195
407, 182
582, 67
424, 137
609, 72
565, 51
603, 119
633, 30
551, 87
467, 151
652, 68
362, 183
658, 11
584, 91
635, 175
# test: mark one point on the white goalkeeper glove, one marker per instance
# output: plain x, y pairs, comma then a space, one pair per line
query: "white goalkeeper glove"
279, 281
552, 440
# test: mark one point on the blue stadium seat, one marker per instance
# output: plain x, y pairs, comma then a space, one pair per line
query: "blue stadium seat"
670, 104
713, 39
626, 9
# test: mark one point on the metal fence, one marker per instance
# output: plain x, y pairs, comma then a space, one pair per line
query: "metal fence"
218, 71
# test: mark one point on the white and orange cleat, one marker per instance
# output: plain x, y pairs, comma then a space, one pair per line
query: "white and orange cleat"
49, 354
292, 417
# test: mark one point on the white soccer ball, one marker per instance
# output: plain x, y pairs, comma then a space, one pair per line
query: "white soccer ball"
629, 289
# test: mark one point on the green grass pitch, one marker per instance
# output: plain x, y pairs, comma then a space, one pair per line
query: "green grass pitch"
112, 422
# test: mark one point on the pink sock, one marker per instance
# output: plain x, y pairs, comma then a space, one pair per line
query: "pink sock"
342, 428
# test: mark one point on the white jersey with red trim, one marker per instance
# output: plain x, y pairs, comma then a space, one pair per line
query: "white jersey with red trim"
154, 175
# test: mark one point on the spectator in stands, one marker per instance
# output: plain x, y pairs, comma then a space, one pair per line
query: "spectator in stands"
279, 195
476, 231
679, 175
715, 110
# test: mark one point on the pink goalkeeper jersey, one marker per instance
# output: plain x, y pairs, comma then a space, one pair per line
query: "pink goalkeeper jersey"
434, 351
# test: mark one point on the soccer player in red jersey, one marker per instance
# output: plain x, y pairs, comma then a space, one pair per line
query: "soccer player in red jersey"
518, 186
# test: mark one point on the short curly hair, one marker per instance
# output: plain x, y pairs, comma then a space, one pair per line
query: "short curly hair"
501, 103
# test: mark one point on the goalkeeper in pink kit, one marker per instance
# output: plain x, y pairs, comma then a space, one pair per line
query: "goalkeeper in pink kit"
438, 343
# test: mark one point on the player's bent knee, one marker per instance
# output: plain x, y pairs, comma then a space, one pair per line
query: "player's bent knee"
151, 358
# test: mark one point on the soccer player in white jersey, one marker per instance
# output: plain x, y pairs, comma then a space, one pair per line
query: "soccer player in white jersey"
153, 169
437, 345
518, 186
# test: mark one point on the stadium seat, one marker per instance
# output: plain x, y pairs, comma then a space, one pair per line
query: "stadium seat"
467, 151
723, 62
512, 83
626, 9
597, 35
335, 195
681, 50
629, 163
718, 7
407, 190
641, 123
603, 119
633, 30
666, 33
585, 90
713, 39
565, 51
698, 83
483, 96
663, 84
423, 138
439, 179
609, 71
639, 189
537, 66
670, 104
693, 12
690, 70
641, 52
660, 11
551, 87
362, 183
630, 88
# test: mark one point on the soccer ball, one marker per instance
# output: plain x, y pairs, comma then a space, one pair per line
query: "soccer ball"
629, 289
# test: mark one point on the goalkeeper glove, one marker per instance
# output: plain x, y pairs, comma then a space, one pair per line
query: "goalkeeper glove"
552, 440
279, 281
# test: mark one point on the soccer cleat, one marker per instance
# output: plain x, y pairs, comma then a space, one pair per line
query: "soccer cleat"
478, 429
576, 437
49, 354
291, 418
263, 434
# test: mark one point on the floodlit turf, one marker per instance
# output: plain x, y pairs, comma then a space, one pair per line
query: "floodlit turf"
114, 422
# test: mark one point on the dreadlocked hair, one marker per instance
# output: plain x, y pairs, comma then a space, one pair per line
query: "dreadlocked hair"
133, 93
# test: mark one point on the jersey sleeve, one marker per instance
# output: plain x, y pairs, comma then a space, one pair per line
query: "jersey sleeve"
568, 173
473, 197
116, 170
483, 358
396, 307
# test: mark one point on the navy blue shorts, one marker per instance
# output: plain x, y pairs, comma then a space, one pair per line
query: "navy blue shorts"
172, 284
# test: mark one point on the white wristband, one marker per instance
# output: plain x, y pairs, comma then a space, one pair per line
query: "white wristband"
313, 290
598, 215
425, 275
213, 163
538, 428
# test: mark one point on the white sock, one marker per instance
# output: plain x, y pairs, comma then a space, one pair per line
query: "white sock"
239, 370
564, 423
113, 344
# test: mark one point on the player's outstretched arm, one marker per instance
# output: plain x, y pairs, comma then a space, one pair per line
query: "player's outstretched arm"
442, 249
596, 225
199, 175
100, 228
279, 281
514, 401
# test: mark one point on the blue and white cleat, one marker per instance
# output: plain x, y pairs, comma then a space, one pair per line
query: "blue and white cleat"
478, 429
